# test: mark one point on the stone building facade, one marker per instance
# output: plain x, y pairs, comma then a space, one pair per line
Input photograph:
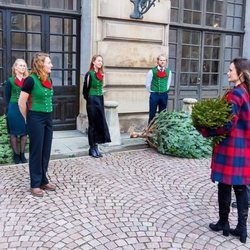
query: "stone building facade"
129, 47
198, 37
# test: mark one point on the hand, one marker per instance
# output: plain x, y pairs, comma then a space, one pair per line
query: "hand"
202, 131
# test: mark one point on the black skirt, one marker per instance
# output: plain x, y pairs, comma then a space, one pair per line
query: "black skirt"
98, 131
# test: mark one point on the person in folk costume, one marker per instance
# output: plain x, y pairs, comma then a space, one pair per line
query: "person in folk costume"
98, 131
37, 91
158, 83
230, 165
15, 120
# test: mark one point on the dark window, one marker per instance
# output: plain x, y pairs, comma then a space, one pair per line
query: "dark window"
190, 58
233, 48
192, 12
220, 14
214, 13
175, 11
211, 58
234, 20
63, 51
173, 52
25, 35
59, 5
204, 37
22, 33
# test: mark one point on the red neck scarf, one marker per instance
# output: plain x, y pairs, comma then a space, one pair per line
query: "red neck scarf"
47, 84
18, 82
161, 73
99, 76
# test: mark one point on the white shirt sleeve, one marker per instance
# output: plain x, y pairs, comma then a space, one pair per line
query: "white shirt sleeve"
169, 80
149, 80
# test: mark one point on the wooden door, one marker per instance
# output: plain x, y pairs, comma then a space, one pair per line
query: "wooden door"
24, 33
199, 65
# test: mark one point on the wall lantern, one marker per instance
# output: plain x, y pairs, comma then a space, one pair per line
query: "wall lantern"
141, 7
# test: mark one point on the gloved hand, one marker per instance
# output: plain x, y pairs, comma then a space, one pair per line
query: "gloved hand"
202, 131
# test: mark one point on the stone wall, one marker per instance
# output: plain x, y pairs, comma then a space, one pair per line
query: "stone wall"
129, 48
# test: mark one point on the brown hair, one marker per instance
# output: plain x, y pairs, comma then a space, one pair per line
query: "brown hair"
91, 67
26, 73
37, 65
242, 66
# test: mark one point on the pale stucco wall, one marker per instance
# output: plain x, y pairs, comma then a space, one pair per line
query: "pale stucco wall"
129, 48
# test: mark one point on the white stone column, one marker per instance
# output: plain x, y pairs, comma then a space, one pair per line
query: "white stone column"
188, 104
111, 114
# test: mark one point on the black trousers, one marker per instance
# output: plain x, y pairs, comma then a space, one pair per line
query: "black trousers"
40, 131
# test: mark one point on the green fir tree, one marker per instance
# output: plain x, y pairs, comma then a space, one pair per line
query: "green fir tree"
173, 133
212, 114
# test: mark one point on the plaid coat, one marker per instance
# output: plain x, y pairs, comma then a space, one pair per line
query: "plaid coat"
231, 157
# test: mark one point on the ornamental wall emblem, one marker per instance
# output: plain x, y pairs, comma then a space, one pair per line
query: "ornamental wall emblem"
141, 7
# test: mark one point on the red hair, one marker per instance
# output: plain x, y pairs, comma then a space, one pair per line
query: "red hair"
91, 67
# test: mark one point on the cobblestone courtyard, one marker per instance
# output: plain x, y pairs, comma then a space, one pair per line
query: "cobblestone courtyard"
126, 200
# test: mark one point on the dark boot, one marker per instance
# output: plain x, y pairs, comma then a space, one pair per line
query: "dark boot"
92, 152
242, 206
224, 198
240, 233
16, 158
23, 158
97, 151
220, 226
234, 204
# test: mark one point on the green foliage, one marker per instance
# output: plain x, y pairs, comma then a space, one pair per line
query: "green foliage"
173, 133
5, 149
212, 114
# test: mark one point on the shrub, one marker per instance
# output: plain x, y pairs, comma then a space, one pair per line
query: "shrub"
5, 149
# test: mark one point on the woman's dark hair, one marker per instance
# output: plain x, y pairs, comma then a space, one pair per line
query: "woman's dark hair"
242, 66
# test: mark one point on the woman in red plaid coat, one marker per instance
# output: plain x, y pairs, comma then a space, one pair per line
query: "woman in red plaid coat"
231, 157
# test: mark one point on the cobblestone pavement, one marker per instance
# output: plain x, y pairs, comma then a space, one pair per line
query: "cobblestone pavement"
126, 200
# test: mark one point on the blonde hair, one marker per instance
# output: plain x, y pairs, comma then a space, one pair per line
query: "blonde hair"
37, 65
161, 55
18, 60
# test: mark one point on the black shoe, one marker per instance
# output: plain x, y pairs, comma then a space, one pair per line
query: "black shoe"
219, 226
97, 151
241, 233
93, 153
23, 158
16, 158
